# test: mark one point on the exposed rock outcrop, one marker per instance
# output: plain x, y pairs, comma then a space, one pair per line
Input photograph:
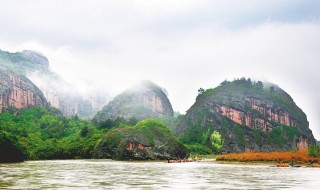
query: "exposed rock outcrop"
18, 92
146, 100
268, 113
148, 140
249, 117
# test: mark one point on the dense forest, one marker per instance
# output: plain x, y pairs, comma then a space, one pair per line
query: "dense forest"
46, 135
38, 133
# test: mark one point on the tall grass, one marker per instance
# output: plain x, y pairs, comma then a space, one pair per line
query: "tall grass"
298, 156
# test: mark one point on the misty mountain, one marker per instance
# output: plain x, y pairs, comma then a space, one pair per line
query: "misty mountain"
58, 92
146, 100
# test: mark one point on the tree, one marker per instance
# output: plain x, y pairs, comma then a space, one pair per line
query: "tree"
132, 121
76, 117
216, 141
200, 91
205, 136
314, 151
224, 83
84, 131
259, 85
272, 89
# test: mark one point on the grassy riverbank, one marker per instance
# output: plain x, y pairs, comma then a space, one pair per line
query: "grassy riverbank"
299, 157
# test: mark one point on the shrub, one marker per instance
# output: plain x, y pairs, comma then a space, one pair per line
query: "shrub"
216, 141
314, 151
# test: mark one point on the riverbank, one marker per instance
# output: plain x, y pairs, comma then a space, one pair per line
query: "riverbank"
297, 158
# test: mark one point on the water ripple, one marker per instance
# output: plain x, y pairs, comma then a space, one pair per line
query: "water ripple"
108, 174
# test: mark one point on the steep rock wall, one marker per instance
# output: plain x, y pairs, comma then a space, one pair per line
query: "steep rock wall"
261, 122
19, 92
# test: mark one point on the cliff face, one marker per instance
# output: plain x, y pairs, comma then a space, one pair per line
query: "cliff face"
249, 117
19, 92
58, 93
267, 110
146, 100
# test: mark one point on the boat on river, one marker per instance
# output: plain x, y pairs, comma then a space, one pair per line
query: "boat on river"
181, 160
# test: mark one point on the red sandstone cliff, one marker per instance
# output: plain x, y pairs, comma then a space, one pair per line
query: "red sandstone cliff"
249, 116
263, 122
266, 109
19, 92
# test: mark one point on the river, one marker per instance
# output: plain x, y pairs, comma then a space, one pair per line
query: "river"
108, 174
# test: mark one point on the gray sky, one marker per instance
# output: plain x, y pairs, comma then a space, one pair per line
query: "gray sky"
180, 45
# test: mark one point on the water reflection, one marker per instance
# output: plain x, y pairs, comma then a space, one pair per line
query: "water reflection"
100, 174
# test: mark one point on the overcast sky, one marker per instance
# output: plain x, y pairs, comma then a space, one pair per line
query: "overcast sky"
180, 45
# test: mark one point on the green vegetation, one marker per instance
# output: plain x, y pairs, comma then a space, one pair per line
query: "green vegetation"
137, 102
44, 135
171, 122
22, 62
216, 141
199, 142
314, 151
38, 133
194, 135
198, 149
246, 114
203, 156
148, 124
280, 135
246, 87
129, 142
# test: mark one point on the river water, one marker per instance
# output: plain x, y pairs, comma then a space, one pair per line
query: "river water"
108, 174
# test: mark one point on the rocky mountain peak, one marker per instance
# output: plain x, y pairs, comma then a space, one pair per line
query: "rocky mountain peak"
146, 100
250, 115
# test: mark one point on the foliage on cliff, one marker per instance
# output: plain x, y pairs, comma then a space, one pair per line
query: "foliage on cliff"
245, 125
148, 139
146, 100
314, 151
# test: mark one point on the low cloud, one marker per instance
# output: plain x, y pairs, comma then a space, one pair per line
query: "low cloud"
180, 46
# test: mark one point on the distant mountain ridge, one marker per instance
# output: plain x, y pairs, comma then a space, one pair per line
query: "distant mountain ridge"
24, 62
